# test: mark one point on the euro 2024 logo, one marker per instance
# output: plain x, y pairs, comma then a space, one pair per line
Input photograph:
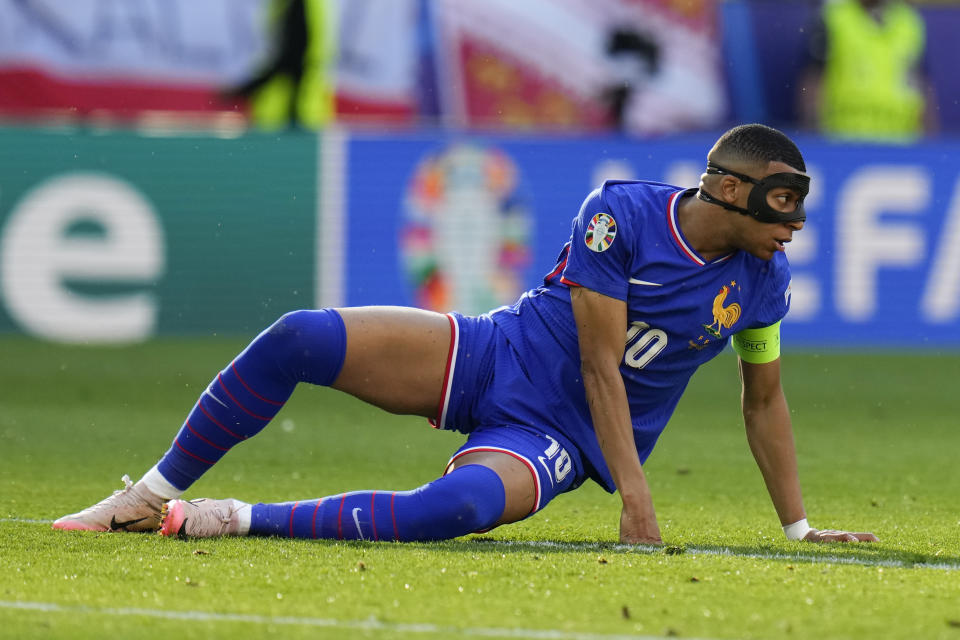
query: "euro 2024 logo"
465, 239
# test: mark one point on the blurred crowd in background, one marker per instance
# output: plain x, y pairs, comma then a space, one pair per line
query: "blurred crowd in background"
849, 69
168, 166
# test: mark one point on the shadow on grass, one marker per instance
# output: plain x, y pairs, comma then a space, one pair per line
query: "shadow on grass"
864, 554
869, 555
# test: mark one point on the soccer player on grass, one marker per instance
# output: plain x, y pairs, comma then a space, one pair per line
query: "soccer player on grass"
575, 381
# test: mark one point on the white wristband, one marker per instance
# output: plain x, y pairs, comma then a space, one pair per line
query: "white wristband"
798, 530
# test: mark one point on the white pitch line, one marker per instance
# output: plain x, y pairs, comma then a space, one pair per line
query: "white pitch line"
26, 521
688, 550
371, 624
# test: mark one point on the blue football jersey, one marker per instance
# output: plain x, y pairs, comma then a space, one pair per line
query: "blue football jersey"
626, 243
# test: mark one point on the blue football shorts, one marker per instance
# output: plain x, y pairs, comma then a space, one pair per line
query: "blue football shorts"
488, 395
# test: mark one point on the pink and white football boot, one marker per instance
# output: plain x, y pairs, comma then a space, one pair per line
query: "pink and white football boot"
205, 518
133, 508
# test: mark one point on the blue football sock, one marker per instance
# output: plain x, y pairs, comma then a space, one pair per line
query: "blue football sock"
470, 498
302, 346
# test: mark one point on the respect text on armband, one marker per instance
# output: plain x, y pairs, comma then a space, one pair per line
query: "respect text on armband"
755, 346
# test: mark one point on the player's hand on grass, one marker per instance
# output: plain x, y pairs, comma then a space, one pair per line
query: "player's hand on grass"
833, 535
639, 526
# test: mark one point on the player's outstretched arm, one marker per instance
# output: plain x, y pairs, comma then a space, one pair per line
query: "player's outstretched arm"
770, 435
600, 326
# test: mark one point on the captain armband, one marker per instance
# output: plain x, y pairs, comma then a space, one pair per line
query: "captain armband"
758, 346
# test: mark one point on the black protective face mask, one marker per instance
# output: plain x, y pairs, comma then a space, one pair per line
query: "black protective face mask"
757, 205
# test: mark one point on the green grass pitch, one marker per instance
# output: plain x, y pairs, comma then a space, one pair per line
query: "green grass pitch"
877, 436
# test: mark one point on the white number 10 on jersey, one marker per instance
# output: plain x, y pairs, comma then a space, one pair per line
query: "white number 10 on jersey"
643, 344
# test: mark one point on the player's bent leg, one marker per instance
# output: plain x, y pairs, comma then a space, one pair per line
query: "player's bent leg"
302, 346
469, 499
392, 357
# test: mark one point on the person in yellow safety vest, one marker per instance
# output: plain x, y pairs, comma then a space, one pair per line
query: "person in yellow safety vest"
865, 79
295, 86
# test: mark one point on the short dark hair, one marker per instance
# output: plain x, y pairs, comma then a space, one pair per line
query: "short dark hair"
757, 144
